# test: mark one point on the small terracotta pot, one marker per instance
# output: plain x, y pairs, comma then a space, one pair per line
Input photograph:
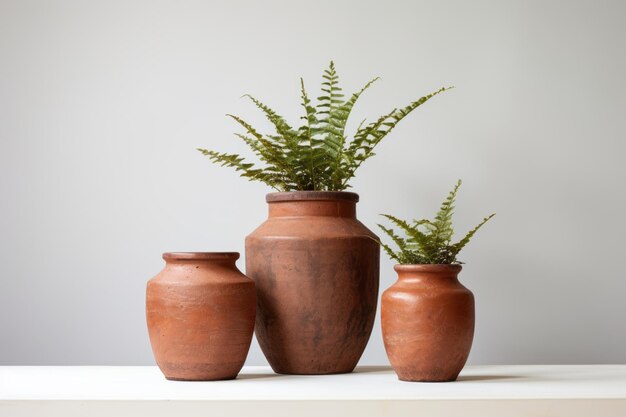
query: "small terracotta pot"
427, 323
200, 311
316, 268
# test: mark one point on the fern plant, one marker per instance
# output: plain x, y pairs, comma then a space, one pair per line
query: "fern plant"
318, 155
428, 241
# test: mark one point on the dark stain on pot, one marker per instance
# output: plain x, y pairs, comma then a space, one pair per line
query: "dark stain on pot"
316, 269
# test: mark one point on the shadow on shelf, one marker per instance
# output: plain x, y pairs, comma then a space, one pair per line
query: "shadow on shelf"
257, 376
371, 369
470, 378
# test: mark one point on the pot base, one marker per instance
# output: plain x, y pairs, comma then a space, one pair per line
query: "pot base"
427, 379
226, 378
314, 372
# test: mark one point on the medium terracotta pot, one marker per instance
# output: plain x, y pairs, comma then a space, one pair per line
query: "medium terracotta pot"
200, 310
427, 322
316, 269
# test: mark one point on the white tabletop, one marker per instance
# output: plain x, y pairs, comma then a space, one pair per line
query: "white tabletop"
553, 385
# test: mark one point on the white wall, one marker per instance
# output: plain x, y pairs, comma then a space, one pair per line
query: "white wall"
103, 103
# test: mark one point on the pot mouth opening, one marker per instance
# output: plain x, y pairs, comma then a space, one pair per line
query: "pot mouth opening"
312, 196
427, 267
207, 256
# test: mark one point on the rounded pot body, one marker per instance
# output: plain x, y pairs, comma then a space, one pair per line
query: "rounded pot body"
316, 269
200, 311
427, 322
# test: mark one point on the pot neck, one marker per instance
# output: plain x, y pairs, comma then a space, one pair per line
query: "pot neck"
199, 258
312, 203
430, 273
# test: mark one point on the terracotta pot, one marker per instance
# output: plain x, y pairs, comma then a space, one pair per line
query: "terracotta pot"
427, 322
200, 310
316, 268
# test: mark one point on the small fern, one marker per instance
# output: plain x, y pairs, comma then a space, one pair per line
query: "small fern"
318, 155
428, 241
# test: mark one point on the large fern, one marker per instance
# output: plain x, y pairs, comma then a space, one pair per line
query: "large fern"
428, 241
318, 155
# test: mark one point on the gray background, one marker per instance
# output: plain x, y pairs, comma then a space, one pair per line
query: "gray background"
103, 103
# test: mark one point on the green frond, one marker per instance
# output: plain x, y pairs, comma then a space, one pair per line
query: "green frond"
389, 251
416, 238
397, 239
349, 104
226, 159
366, 138
237, 162
421, 222
331, 123
431, 246
287, 138
257, 147
306, 141
287, 134
461, 244
274, 152
264, 149
399, 222
442, 226
339, 118
310, 116
405, 255
251, 130
318, 154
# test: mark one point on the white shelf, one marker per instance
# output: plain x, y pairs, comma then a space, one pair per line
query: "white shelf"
503, 390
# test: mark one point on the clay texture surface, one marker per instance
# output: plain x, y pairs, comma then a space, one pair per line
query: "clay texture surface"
427, 322
316, 268
200, 311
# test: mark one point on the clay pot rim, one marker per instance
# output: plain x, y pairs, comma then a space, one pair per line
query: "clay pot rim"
312, 196
427, 268
200, 256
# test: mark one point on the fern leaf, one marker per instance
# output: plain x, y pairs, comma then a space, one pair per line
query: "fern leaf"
366, 138
349, 104
431, 246
310, 116
267, 155
252, 131
402, 244
313, 155
417, 240
390, 252
289, 140
411, 231
237, 162
332, 122
442, 226
403, 255
282, 127
256, 146
456, 248
274, 149
340, 116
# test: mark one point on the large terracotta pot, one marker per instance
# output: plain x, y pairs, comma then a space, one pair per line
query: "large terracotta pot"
200, 310
427, 322
316, 269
